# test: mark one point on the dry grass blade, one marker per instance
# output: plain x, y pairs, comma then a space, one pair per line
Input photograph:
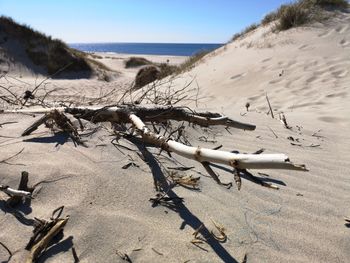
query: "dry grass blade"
284, 120
156, 251
196, 239
268, 102
187, 180
222, 237
6, 123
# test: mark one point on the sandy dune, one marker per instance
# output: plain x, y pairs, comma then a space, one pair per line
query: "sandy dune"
304, 71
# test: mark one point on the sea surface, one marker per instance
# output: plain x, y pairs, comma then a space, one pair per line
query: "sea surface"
147, 48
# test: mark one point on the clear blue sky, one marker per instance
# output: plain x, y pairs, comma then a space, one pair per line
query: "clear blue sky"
164, 21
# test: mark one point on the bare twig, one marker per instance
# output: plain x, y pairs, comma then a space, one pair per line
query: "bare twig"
268, 102
5, 161
272, 132
7, 249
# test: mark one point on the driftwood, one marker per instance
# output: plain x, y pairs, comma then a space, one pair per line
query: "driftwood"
158, 114
17, 195
44, 232
138, 116
13, 192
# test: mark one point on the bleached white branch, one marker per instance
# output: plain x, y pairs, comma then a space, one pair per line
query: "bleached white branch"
14, 192
241, 161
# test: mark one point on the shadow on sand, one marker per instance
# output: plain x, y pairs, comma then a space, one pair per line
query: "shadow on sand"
188, 218
59, 138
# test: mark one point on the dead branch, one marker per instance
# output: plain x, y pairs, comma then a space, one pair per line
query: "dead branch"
138, 115
241, 161
44, 232
23, 187
13, 192
211, 172
159, 114
60, 120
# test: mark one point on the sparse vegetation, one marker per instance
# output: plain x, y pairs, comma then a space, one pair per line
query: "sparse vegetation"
164, 69
156, 71
137, 62
167, 70
301, 12
191, 61
51, 54
269, 18
292, 15
245, 31
296, 14
332, 3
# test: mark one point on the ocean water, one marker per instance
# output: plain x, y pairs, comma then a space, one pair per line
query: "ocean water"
147, 48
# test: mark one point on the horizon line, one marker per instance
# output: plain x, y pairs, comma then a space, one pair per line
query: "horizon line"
122, 42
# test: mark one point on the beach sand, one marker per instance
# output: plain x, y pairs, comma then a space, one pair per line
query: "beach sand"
304, 72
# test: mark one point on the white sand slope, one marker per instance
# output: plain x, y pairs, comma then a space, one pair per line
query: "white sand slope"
305, 73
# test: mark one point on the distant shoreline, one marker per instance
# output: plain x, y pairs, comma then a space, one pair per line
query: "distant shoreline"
163, 49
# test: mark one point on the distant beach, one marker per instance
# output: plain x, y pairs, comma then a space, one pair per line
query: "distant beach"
171, 49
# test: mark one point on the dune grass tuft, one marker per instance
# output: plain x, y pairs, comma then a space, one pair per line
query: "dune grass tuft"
296, 14
191, 61
137, 62
43, 50
292, 15
245, 31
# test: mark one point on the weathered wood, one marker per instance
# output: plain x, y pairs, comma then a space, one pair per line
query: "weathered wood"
35, 125
23, 186
158, 113
14, 192
137, 115
42, 244
241, 161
